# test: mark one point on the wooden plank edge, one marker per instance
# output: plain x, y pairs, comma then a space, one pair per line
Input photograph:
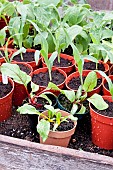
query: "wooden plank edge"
92, 157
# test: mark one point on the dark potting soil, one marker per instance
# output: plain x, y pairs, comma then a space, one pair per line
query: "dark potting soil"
64, 126
42, 79
24, 68
63, 62
18, 126
107, 112
74, 83
68, 105
27, 57
92, 66
5, 89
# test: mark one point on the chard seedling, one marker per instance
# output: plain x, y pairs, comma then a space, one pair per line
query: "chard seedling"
54, 116
77, 98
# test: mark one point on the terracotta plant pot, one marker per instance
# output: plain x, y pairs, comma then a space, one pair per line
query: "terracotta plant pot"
44, 70
67, 69
19, 90
84, 74
6, 103
2, 59
59, 138
106, 66
106, 91
102, 128
31, 63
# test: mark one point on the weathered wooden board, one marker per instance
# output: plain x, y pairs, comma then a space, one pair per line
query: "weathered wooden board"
101, 4
16, 154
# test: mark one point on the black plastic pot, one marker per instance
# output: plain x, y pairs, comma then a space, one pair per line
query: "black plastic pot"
33, 119
61, 107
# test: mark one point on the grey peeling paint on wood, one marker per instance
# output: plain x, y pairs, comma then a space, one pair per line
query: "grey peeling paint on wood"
101, 4
14, 157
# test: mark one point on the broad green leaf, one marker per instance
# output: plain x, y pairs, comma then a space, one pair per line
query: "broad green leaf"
27, 109
98, 102
43, 129
90, 81
13, 71
73, 31
48, 2
53, 86
108, 80
70, 94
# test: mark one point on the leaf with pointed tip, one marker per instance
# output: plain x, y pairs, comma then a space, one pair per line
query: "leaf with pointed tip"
98, 102
28, 109
90, 81
43, 129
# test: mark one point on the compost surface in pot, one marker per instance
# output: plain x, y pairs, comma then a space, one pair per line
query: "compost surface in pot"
92, 66
63, 62
5, 89
64, 126
74, 83
42, 79
24, 68
27, 57
108, 112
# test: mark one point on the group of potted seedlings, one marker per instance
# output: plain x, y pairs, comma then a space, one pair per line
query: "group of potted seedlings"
52, 87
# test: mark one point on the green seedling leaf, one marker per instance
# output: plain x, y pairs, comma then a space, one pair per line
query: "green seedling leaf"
110, 84
21, 50
13, 71
91, 58
70, 94
72, 117
51, 108
90, 81
34, 87
74, 109
98, 102
43, 129
37, 56
82, 110
53, 86
79, 92
28, 109
52, 58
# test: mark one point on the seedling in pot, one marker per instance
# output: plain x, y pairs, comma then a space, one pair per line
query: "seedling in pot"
77, 98
13, 71
54, 116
